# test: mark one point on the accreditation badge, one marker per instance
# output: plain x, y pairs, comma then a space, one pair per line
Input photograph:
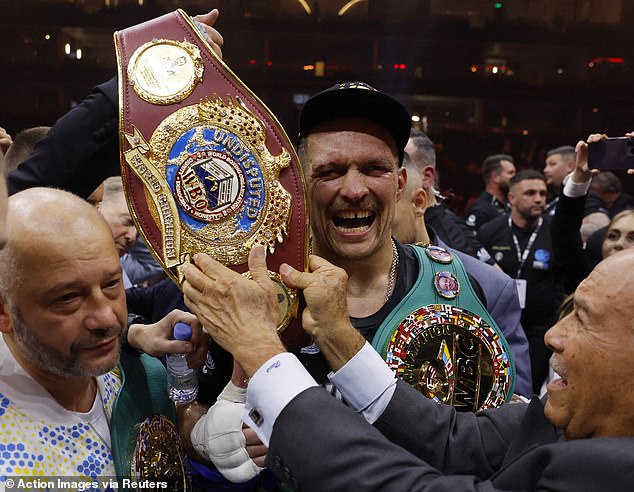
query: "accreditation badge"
206, 166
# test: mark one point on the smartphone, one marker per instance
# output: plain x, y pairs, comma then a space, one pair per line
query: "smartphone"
611, 153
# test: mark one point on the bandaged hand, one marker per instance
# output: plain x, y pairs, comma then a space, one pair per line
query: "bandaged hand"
219, 437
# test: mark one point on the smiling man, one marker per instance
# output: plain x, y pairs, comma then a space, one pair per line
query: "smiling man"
582, 439
66, 406
593, 349
351, 147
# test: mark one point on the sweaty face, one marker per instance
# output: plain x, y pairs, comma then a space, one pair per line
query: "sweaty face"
556, 170
115, 211
507, 171
354, 183
620, 236
528, 198
593, 352
68, 310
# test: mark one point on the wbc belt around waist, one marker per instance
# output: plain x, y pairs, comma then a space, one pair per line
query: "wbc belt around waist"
442, 341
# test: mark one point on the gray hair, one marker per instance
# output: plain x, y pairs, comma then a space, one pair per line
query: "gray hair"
425, 153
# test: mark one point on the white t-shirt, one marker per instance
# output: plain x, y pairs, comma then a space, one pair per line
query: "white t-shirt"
38, 437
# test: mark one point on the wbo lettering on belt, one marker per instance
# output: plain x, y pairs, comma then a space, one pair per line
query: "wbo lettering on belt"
206, 166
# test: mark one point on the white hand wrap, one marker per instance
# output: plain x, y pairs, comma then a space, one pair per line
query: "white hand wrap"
218, 436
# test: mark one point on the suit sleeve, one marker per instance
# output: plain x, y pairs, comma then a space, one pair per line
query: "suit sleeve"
79, 151
566, 240
413, 445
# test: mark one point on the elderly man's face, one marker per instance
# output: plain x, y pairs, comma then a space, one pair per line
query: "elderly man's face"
68, 310
115, 211
354, 182
593, 352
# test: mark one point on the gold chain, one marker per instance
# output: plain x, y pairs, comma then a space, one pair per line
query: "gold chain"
393, 268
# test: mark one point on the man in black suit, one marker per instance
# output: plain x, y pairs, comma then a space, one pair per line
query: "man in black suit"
580, 438
497, 171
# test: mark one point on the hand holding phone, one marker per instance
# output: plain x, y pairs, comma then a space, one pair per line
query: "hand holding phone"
611, 153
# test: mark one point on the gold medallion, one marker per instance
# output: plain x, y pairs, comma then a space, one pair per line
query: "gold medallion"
165, 71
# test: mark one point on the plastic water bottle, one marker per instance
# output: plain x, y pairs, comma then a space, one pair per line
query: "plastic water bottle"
182, 382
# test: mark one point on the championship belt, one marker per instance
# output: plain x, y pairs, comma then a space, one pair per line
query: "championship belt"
206, 166
146, 446
442, 341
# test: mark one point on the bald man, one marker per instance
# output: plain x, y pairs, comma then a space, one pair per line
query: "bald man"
66, 405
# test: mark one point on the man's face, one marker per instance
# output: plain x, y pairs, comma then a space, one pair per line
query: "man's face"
117, 215
593, 352
528, 198
506, 172
68, 310
354, 183
620, 236
556, 169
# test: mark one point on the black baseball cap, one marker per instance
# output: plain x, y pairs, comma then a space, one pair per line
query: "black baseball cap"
359, 100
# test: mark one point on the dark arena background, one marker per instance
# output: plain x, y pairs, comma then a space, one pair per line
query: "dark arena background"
480, 77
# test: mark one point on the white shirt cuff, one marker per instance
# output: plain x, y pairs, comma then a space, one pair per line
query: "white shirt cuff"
366, 383
271, 388
575, 190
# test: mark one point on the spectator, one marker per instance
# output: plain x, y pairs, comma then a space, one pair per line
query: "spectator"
114, 209
449, 228
608, 186
559, 163
497, 171
522, 246
568, 246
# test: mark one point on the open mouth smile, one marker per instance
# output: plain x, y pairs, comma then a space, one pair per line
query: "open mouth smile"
350, 221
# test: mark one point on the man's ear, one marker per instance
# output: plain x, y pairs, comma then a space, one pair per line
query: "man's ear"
429, 177
402, 182
6, 321
510, 197
419, 202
